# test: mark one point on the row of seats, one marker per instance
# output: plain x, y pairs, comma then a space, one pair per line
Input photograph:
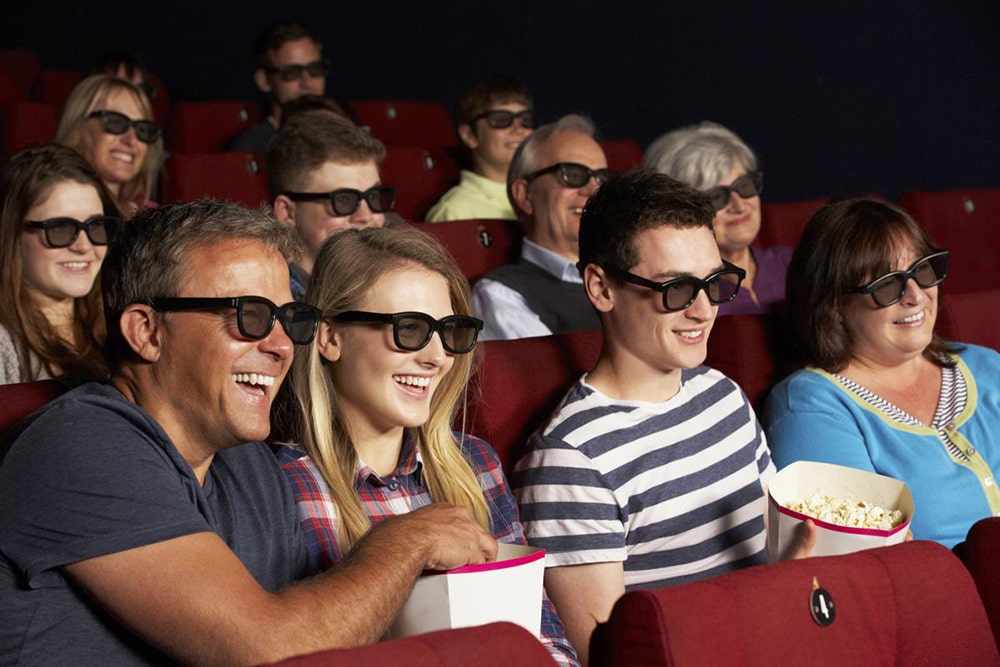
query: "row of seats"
23, 79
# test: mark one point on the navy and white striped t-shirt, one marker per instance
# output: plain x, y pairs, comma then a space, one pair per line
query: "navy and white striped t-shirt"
673, 489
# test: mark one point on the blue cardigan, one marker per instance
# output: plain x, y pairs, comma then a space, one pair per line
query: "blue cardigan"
811, 416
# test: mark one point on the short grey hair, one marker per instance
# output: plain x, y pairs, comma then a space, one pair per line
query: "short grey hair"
699, 155
525, 158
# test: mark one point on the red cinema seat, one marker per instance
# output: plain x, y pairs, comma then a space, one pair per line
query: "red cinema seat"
491, 645
19, 400
753, 350
783, 224
26, 124
622, 154
970, 317
160, 99
9, 90
520, 382
979, 553
478, 246
407, 123
966, 223
421, 175
205, 127
909, 604
23, 66
54, 86
238, 177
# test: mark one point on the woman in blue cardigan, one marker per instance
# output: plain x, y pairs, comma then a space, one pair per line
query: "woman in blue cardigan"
880, 390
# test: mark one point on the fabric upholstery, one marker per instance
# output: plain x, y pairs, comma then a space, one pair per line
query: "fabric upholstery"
910, 604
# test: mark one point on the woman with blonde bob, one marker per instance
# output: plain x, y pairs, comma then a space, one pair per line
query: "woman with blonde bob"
376, 395
109, 121
56, 219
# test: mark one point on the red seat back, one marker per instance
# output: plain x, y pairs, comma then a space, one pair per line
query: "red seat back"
24, 124
23, 66
622, 154
9, 90
407, 122
205, 127
478, 246
235, 176
970, 317
54, 86
753, 350
966, 223
910, 604
979, 553
520, 382
421, 175
491, 645
783, 224
19, 400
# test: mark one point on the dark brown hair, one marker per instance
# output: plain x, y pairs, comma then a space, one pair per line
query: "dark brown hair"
847, 243
26, 180
631, 203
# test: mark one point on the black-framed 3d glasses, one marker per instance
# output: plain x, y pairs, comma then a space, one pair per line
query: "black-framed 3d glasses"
412, 331
63, 232
315, 69
345, 201
255, 315
746, 186
501, 119
680, 293
889, 289
573, 175
113, 122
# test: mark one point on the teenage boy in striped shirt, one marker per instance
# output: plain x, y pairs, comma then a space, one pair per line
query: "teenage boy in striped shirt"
653, 469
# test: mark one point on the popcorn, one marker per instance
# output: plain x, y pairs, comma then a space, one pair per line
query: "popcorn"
845, 512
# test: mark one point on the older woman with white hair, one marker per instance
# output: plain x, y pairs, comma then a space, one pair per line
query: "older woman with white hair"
709, 157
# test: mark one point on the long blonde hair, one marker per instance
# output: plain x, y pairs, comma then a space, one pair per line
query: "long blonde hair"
92, 94
346, 268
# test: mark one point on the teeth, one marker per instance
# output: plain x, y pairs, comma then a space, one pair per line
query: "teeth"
254, 379
76, 266
578, 210
689, 334
122, 156
412, 380
916, 317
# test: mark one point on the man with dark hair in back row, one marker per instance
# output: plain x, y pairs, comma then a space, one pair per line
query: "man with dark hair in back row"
143, 521
289, 63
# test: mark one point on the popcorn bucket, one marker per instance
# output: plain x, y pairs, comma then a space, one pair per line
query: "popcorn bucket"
805, 480
507, 589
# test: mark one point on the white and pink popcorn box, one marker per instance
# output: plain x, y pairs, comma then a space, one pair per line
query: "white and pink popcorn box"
507, 589
803, 479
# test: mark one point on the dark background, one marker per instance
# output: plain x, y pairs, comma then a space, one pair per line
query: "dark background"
844, 98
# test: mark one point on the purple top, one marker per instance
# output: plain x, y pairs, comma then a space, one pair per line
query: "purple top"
769, 283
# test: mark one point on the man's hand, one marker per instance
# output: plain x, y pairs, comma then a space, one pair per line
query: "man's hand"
445, 535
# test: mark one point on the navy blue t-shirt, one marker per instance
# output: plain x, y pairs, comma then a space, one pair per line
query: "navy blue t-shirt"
94, 474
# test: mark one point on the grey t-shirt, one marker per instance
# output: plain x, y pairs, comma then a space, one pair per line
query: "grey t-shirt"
94, 474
